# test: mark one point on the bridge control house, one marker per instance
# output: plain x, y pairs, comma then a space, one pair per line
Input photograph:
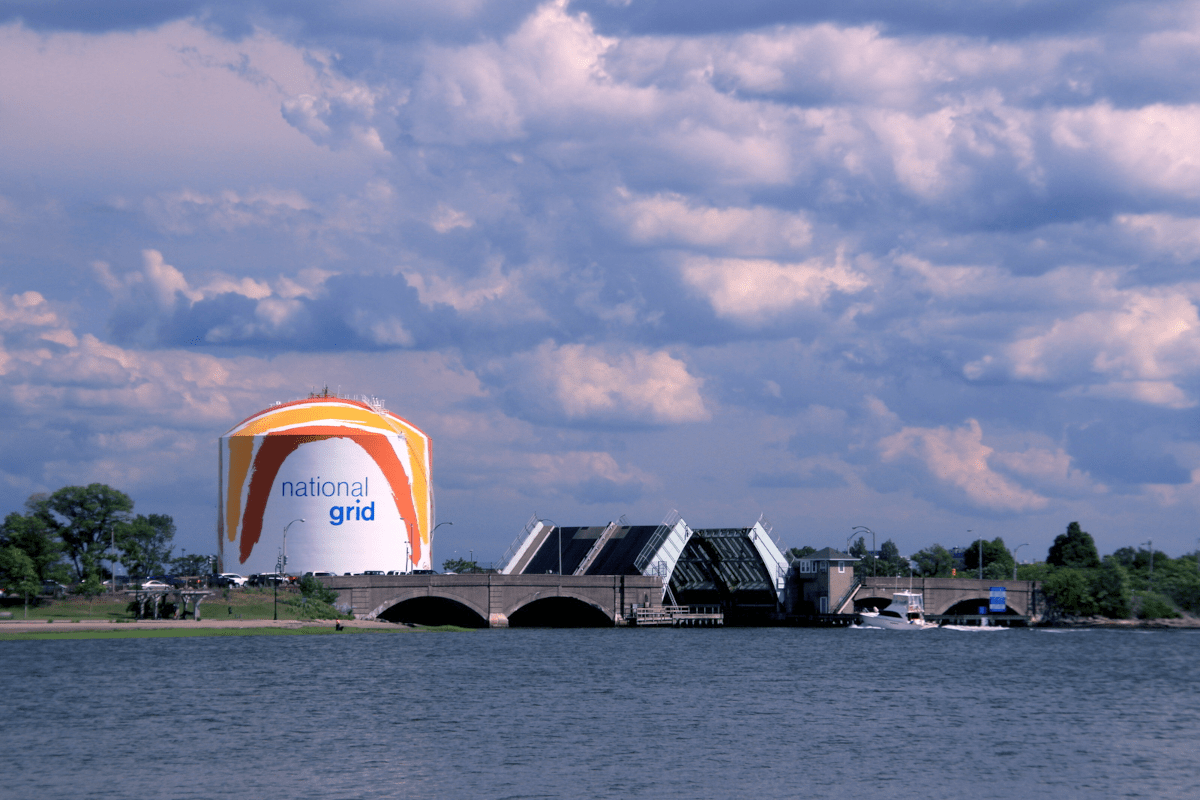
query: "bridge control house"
820, 583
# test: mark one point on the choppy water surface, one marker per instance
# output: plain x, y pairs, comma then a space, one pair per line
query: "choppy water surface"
606, 713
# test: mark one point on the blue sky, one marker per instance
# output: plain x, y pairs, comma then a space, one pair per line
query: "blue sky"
860, 263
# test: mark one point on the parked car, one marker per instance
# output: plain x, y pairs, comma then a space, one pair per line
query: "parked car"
152, 584
228, 579
321, 574
53, 588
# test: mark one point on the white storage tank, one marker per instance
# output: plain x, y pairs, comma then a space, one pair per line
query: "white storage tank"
357, 474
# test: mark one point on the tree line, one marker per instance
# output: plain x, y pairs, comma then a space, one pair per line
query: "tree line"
68, 535
1076, 580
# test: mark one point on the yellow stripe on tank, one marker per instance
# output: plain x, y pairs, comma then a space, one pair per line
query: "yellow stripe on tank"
240, 450
309, 414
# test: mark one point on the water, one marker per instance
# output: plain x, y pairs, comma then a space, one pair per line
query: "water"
768, 713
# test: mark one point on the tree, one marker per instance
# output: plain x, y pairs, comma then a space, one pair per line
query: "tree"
1075, 548
997, 561
30, 534
18, 573
144, 543
867, 564
891, 563
459, 565
801, 552
195, 564
85, 518
934, 562
1110, 589
90, 587
1069, 591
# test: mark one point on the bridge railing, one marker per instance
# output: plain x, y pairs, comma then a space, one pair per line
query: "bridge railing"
511, 552
837, 608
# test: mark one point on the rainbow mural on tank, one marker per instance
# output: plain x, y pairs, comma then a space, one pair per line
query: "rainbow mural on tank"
351, 478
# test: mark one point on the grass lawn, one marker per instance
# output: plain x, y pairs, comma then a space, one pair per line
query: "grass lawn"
239, 604
175, 633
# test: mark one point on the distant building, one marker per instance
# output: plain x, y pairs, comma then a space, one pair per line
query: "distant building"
819, 582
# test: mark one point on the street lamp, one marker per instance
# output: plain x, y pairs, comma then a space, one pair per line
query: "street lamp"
1015, 549
280, 564
873, 550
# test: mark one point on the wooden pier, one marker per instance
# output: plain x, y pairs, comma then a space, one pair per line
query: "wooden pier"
678, 616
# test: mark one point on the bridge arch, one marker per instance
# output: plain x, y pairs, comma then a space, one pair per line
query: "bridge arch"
559, 612
570, 605
875, 602
424, 607
971, 606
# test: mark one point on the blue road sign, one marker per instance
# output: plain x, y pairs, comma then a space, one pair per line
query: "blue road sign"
998, 600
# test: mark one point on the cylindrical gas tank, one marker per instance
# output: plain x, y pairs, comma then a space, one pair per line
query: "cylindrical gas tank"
356, 474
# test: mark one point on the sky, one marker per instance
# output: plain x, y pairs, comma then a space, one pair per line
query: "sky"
919, 267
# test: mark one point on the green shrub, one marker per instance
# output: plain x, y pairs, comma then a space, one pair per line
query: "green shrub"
313, 589
1152, 605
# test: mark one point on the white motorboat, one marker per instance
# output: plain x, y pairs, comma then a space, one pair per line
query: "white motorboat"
906, 613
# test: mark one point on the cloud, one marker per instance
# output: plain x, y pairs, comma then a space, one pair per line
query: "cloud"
959, 458
579, 383
753, 290
592, 478
674, 220
801, 237
1136, 347
186, 211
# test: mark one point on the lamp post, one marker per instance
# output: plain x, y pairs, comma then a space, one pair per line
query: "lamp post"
280, 564
1015, 549
873, 550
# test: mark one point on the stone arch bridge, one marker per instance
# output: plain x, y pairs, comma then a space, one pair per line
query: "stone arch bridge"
950, 595
492, 600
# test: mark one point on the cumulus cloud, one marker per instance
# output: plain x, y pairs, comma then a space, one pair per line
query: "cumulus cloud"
959, 458
752, 290
674, 220
753, 217
1137, 347
592, 478
582, 383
